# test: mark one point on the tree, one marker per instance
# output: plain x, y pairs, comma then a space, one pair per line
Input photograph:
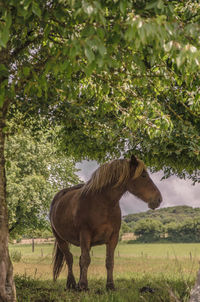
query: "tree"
124, 229
172, 230
35, 172
116, 76
149, 230
187, 231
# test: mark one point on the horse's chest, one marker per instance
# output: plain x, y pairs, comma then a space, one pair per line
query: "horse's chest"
102, 235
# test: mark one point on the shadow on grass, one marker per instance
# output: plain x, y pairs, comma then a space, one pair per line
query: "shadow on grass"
147, 289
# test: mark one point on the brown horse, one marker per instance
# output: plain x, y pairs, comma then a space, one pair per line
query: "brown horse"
89, 214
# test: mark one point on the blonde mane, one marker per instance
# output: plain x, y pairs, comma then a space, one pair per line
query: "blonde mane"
115, 173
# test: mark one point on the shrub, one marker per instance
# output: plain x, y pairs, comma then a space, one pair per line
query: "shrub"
16, 256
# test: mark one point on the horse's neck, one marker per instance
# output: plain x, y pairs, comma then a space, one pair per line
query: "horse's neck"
114, 194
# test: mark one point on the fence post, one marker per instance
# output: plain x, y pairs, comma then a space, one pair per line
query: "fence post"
33, 245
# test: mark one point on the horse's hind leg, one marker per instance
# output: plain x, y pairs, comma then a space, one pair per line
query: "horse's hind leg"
64, 246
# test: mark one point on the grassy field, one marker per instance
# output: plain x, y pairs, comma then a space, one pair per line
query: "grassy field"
143, 272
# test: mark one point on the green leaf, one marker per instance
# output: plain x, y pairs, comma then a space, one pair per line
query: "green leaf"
3, 70
168, 46
101, 48
88, 31
101, 33
36, 9
2, 96
89, 54
122, 6
151, 5
39, 91
8, 20
4, 36
26, 71
160, 4
87, 7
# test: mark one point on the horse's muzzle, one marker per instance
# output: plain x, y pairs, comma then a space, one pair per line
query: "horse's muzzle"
155, 203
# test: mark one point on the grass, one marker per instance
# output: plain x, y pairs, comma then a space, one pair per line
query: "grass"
143, 272
147, 289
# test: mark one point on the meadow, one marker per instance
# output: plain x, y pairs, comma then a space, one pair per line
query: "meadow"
143, 272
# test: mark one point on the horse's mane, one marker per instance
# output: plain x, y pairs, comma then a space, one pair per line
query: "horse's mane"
114, 173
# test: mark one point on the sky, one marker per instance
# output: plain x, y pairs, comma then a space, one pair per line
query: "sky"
175, 191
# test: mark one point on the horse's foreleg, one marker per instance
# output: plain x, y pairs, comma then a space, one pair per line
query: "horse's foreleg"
110, 249
84, 262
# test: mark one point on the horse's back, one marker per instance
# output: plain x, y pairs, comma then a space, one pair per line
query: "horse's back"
61, 194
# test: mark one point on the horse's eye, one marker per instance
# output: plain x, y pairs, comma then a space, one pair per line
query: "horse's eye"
144, 175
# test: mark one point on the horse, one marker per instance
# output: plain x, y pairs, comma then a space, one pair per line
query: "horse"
89, 214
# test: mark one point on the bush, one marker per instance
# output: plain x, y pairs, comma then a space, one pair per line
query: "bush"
15, 256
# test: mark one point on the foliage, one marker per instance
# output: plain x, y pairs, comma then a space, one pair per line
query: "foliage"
148, 230
187, 231
117, 76
124, 229
175, 224
15, 256
35, 172
166, 215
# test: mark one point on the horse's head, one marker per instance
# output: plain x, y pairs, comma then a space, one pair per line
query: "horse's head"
141, 185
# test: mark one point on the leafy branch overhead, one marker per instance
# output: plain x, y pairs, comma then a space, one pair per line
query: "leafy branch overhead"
116, 76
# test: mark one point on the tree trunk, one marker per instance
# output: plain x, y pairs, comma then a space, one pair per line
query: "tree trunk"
195, 293
7, 286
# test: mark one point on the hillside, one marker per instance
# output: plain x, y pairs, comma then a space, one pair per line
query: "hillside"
166, 215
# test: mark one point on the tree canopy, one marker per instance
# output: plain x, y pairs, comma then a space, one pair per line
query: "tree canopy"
35, 172
118, 76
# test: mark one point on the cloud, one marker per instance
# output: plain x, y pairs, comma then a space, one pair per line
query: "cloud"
86, 168
175, 191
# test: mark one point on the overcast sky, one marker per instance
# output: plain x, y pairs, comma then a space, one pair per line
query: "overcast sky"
175, 191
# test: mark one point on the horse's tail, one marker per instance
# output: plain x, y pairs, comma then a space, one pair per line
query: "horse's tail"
58, 261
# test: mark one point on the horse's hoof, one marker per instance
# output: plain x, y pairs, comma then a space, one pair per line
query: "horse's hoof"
71, 286
110, 287
82, 288
71, 283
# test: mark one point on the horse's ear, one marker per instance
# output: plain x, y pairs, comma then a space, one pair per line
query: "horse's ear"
134, 161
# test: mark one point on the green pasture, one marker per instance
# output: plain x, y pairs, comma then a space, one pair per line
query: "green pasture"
165, 269
123, 250
130, 259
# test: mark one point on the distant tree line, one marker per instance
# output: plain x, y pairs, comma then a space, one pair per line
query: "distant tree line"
179, 224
